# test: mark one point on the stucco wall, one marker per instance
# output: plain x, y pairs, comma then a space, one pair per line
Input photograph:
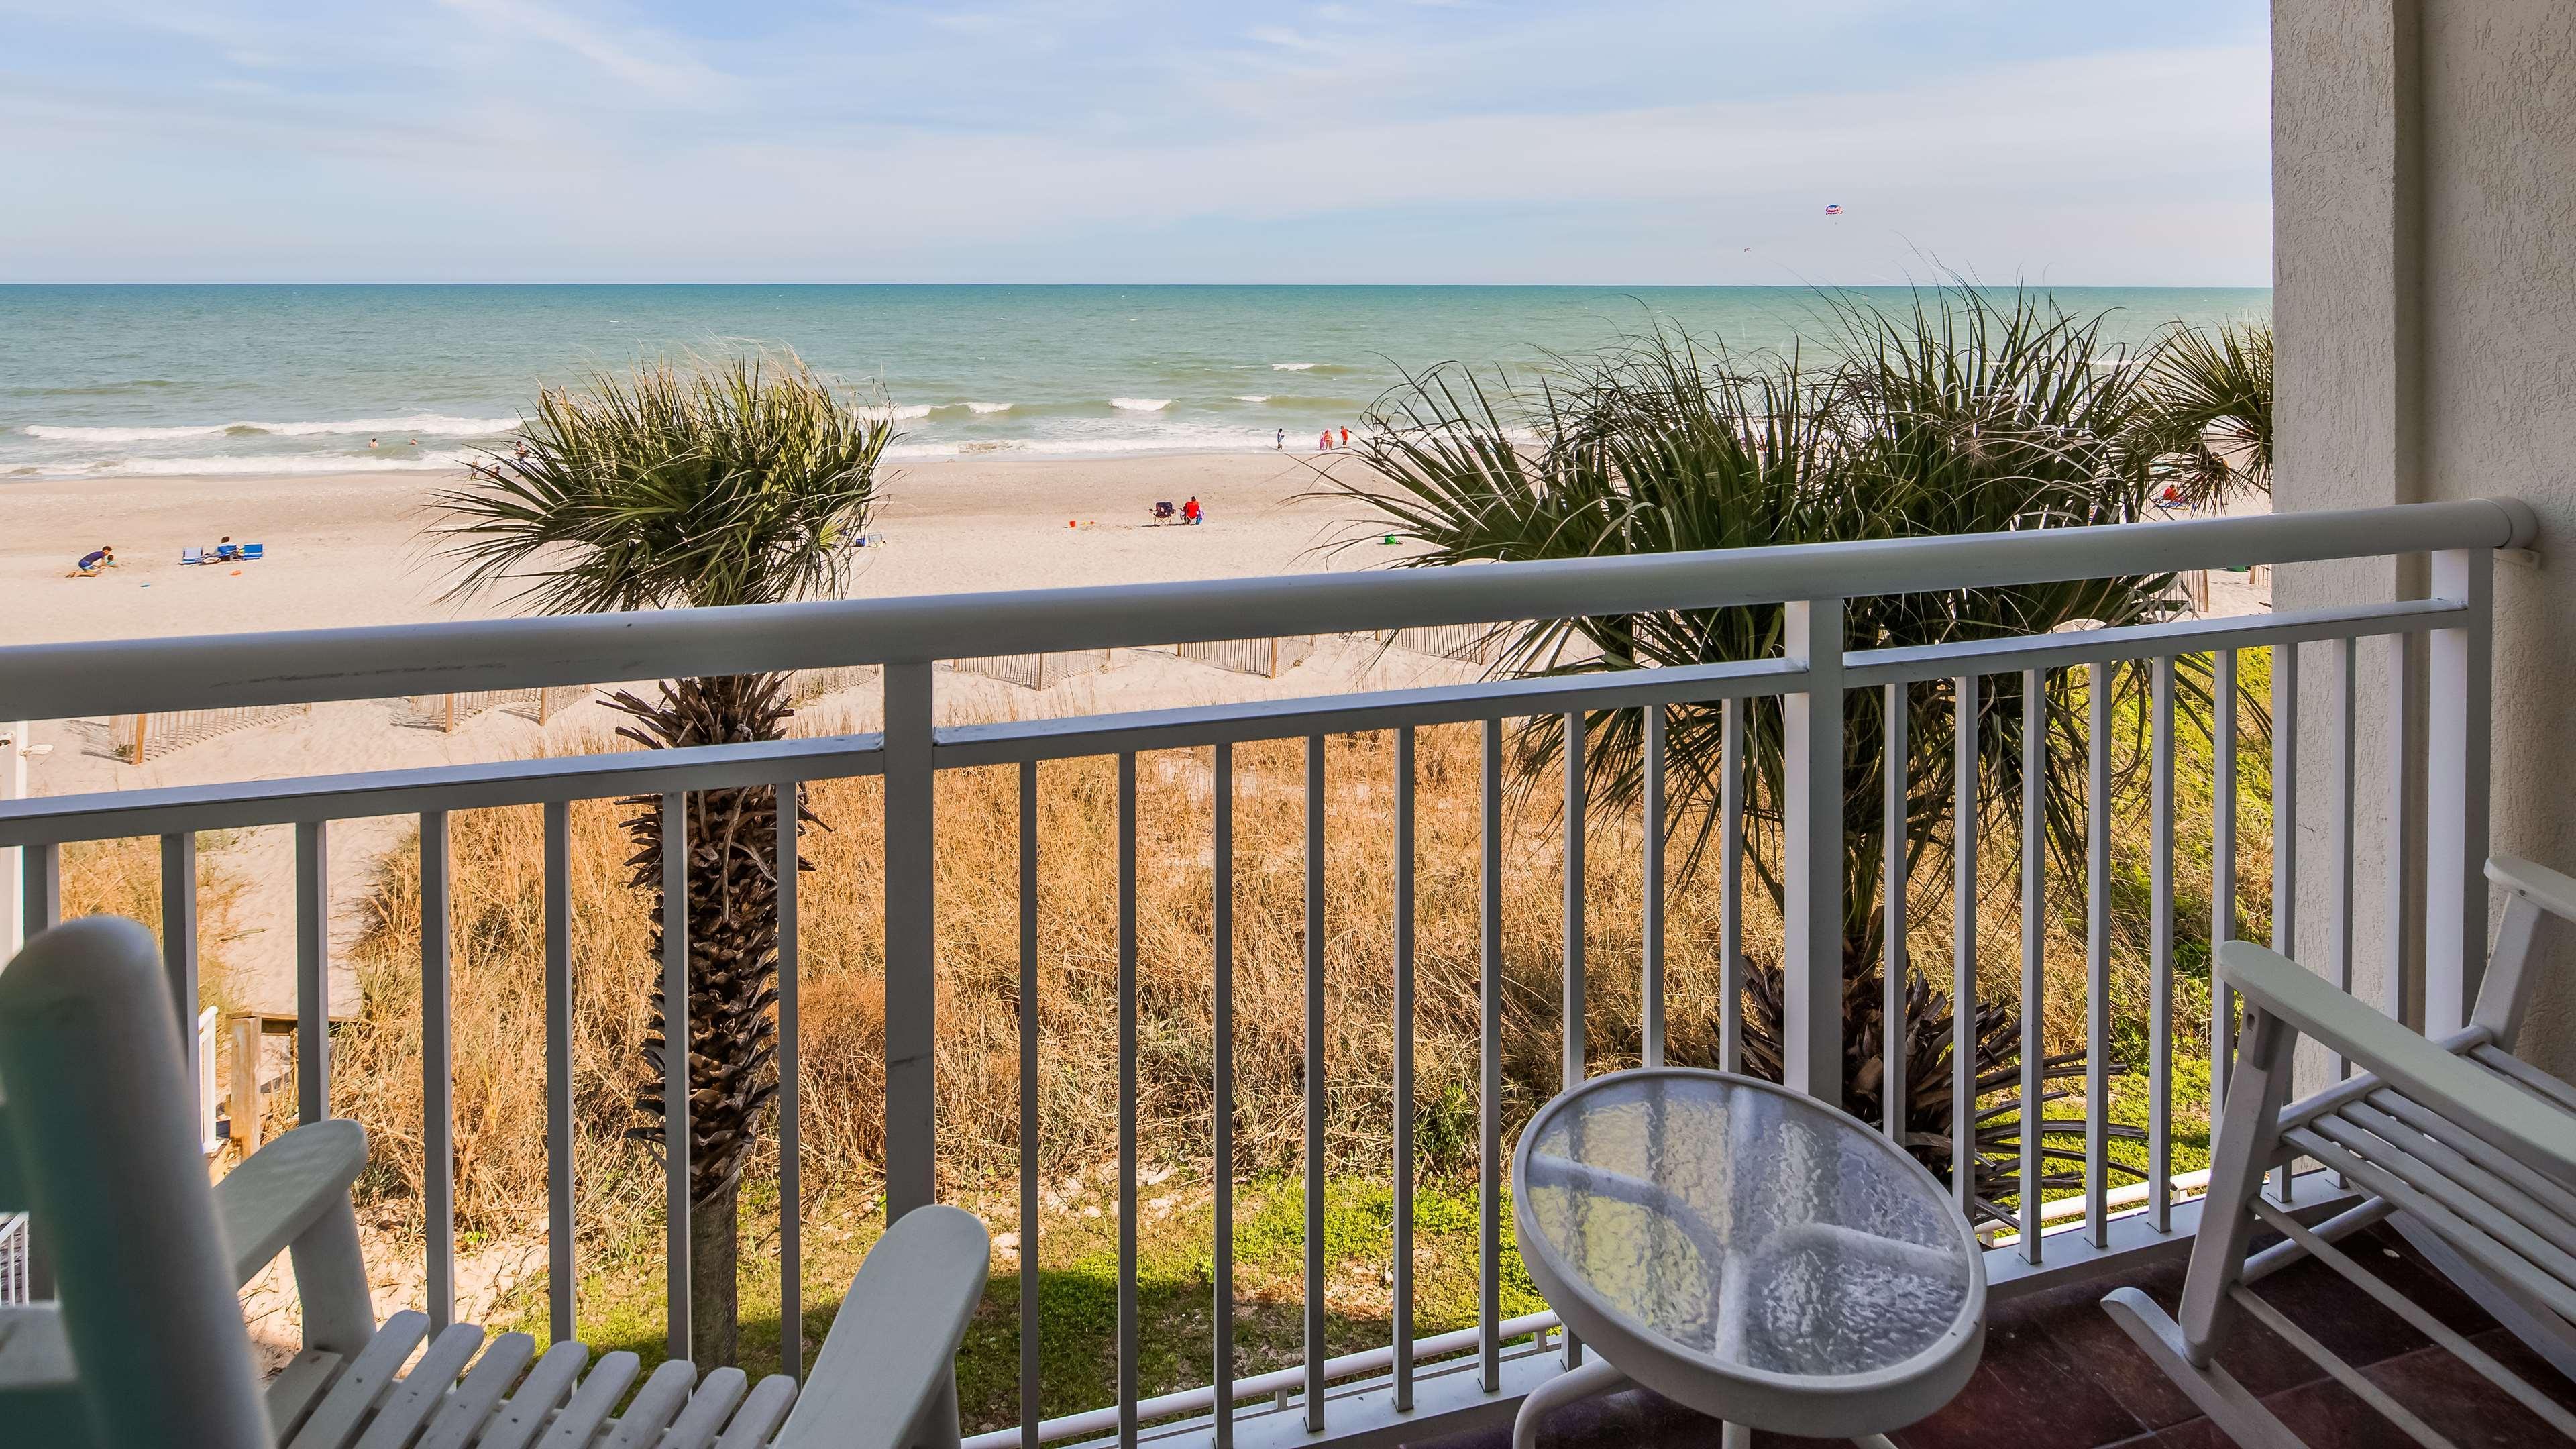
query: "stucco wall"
2424, 165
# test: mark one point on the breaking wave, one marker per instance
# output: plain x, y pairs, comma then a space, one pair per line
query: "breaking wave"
406, 462
417, 425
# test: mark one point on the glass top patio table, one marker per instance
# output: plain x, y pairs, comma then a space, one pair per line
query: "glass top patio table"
1744, 1250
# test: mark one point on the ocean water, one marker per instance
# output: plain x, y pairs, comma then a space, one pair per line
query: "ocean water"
107, 381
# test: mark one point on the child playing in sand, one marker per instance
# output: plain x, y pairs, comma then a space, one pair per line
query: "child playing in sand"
101, 557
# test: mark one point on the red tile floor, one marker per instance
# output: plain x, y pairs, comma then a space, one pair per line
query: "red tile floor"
2059, 1374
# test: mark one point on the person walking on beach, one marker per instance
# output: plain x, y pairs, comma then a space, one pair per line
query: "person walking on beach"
1282, 443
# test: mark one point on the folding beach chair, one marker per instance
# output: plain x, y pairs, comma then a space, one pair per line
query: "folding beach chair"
146, 1348
252, 552
227, 552
2464, 1148
191, 556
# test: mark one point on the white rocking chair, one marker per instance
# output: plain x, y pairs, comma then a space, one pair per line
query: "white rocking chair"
2467, 1150
146, 1346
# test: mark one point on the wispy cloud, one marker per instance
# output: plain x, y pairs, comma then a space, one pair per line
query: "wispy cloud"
666, 70
1638, 140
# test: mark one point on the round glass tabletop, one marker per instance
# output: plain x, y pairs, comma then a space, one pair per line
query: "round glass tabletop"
1747, 1235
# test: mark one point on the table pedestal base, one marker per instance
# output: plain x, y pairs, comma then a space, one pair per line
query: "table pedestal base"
1596, 1377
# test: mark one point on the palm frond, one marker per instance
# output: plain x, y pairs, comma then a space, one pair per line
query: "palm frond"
2213, 420
745, 481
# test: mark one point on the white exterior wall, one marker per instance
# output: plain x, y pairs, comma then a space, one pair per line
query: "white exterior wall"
2424, 169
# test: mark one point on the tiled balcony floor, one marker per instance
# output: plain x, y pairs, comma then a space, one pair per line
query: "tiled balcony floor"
2059, 1374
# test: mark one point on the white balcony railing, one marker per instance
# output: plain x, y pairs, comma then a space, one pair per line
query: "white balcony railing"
1406, 1383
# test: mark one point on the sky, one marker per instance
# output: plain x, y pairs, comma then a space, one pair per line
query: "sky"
1617, 142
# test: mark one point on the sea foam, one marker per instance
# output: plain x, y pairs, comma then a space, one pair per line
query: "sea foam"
988, 407
405, 461
1174, 439
1141, 404
417, 425
1252, 397
1290, 366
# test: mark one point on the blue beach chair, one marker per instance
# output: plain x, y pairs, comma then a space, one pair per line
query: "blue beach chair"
254, 551
191, 556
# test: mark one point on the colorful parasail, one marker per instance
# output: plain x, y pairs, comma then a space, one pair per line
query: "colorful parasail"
1834, 208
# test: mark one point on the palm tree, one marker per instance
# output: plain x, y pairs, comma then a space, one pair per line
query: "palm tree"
2213, 413
742, 482
1972, 413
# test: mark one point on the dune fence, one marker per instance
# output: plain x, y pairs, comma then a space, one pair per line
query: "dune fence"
140, 737
1034, 671
1268, 658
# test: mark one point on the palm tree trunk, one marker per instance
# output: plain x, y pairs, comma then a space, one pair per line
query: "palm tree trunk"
732, 913
714, 1244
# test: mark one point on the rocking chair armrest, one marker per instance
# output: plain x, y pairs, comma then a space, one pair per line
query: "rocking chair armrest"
886, 1378
2458, 1089
277, 1194
2543, 887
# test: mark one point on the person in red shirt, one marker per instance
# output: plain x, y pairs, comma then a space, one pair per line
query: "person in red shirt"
1190, 510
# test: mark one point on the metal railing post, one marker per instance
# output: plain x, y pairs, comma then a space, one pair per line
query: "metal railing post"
13, 786
312, 971
1812, 735
678, 1246
438, 1080
2456, 782
179, 936
562, 1267
911, 1141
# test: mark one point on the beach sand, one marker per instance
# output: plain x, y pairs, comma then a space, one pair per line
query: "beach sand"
348, 548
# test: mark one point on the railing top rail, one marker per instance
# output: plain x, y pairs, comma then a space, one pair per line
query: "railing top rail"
106, 814
177, 809
58, 681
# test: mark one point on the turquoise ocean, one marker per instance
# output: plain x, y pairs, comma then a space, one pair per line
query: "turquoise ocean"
112, 381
